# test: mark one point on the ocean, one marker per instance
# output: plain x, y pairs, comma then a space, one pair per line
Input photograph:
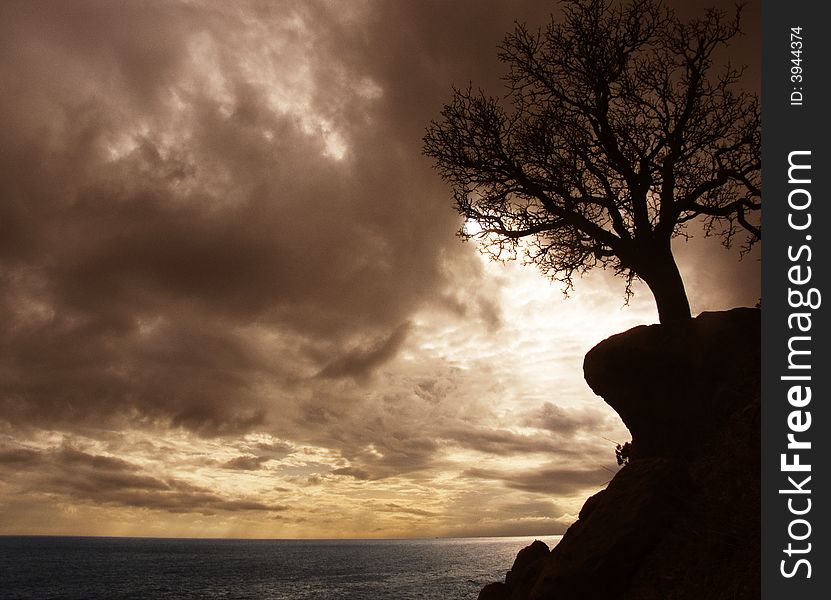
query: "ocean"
80, 568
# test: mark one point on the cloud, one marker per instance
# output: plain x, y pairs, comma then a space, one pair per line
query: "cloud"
183, 226
547, 480
508, 443
246, 463
392, 453
392, 507
357, 363
74, 475
217, 228
271, 450
195, 222
18, 458
563, 421
535, 508
488, 513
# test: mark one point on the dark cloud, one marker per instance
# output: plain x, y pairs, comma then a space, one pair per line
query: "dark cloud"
392, 507
168, 187
18, 458
547, 480
489, 514
531, 508
359, 474
271, 450
246, 463
391, 453
73, 475
502, 442
563, 421
357, 363
216, 220
378, 451
168, 201
254, 455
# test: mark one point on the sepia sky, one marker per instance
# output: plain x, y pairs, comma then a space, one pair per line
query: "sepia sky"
232, 301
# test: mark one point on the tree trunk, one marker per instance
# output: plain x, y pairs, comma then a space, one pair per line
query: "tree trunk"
659, 271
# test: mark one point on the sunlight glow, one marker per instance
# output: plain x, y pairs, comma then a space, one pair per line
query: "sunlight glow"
472, 227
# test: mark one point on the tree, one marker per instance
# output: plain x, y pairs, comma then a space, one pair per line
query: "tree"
618, 128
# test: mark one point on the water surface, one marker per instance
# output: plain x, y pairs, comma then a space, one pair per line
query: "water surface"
121, 568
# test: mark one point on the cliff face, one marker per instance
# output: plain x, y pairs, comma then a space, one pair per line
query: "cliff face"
681, 520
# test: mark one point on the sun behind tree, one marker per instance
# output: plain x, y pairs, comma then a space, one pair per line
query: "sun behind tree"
617, 130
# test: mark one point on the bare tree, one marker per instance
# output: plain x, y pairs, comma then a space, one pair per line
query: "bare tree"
618, 128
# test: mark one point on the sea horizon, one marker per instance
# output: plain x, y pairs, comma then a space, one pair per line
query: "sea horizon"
282, 539
120, 567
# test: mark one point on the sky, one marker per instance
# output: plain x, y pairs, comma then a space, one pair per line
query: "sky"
232, 297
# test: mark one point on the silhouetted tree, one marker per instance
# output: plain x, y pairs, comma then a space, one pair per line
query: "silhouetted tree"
617, 130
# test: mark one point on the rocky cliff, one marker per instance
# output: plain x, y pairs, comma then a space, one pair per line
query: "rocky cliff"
682, 520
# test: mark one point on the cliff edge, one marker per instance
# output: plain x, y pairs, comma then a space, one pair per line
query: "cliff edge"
681, 521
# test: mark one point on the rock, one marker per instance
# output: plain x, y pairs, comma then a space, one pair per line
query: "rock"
681, 520
675, 385
527, 566
494, 591
599, 553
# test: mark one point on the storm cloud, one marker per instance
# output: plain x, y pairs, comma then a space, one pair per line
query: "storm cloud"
84, 477
230, 282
